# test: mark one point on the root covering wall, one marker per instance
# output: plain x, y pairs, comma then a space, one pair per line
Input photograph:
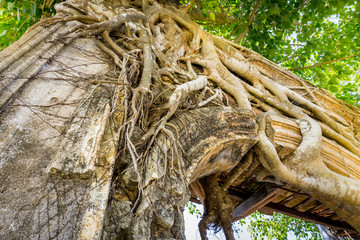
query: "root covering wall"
110, 110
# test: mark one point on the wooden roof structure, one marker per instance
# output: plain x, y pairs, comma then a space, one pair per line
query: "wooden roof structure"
251, 195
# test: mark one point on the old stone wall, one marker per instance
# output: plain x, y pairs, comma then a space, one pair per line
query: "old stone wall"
52, 185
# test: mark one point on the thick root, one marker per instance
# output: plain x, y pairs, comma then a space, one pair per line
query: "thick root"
218, 208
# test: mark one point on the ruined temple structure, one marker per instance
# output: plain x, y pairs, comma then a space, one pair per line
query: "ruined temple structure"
113, 115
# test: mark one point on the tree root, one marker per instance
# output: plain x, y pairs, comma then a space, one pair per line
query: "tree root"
304, 167
238, 170
218, 208
176, 98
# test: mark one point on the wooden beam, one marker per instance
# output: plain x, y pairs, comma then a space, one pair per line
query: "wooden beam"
195, 200
254, 202
198, 191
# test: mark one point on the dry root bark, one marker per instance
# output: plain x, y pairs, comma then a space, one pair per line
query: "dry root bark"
218, 208
167, 63
305, 169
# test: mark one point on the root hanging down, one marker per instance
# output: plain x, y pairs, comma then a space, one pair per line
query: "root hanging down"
218, 209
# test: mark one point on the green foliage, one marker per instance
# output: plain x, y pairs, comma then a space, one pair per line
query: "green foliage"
193, 209
299, 33
279, 226
17, 16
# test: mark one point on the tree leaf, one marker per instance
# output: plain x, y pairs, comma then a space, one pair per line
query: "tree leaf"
333, 88
212, 16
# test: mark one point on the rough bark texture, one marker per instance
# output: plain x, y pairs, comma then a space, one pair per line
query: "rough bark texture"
206, 148
110, 110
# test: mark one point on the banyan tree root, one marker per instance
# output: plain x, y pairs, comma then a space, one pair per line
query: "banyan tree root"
218, 208
177, 97
224, 64
305, 169
161, 52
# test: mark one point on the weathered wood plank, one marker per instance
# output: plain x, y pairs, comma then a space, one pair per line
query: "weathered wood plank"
254, 202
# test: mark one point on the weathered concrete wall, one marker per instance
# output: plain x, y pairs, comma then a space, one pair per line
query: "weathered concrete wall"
53, 124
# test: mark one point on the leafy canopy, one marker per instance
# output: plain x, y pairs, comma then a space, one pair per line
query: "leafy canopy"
295, 34
17, 16
279, 226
